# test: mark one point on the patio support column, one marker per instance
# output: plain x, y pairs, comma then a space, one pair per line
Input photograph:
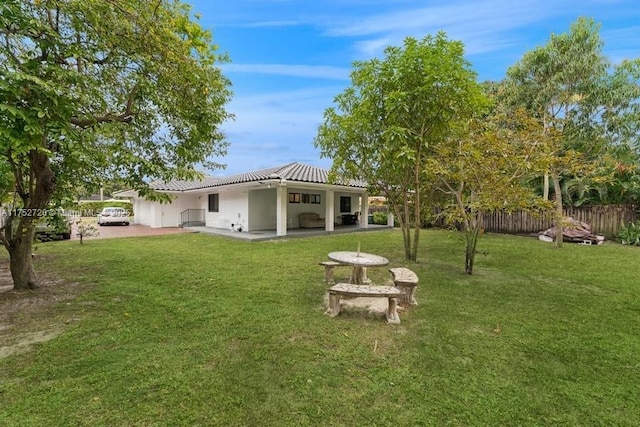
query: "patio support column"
364, 214
281, 211
329, 210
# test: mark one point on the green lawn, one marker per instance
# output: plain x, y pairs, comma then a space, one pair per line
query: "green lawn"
193, 329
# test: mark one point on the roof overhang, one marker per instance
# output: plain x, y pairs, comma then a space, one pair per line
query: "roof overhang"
275, 183
126, 193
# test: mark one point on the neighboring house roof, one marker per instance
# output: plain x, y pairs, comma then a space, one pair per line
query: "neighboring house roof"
92, 198
296, 172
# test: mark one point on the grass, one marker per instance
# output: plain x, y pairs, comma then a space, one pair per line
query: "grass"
192, 329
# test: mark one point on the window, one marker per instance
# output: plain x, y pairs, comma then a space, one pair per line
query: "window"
311, 198
345, 204
214, 205
294, 197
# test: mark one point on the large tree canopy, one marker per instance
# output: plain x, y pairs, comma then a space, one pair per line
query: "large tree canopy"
484, 170
384, 126
94, 89
573, 88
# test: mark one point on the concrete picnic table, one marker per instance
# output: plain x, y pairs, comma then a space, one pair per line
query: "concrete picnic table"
360, 261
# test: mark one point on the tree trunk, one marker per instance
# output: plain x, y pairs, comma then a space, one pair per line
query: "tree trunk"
406, 237
413, 256
559, 213
417, 207
36, 193
470, 253
401, 213
406, 227
21, 260
471, 233
545, 187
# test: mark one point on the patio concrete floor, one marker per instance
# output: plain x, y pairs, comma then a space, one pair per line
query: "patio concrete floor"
260, 235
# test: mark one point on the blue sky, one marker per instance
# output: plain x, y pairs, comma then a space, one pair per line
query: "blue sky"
290, 58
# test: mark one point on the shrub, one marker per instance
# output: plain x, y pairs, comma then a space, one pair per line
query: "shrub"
380, 218
630, 234
85, 229
55, 226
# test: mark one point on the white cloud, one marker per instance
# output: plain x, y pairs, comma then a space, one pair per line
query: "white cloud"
309, 71
497, 15
275, 128
268, 24
483, 26
623, 38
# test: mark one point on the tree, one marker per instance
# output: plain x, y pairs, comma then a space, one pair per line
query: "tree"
85, 229
385, 124
569, 85
97, 89
484, 169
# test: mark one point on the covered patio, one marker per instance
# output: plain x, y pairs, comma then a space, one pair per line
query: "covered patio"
279, 201
261, 235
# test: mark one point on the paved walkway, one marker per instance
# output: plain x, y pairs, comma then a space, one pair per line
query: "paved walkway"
132, 230
291, 233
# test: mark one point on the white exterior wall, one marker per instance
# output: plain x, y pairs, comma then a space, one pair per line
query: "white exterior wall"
157, 215
295, 209
144, 212
233, 210
249, 207
281, 211
262, 209
364, 211
170, 212
330, 210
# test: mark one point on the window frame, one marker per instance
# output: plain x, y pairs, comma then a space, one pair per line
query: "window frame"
214, 202
294, 197
345, 204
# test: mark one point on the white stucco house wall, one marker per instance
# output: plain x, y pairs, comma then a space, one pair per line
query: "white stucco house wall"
267, 199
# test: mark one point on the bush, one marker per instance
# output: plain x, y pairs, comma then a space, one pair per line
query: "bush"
85, 229
630, 234
380, 218
93, 208
55, 226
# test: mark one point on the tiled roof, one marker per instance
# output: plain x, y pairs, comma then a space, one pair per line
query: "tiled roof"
171, 185
296, 172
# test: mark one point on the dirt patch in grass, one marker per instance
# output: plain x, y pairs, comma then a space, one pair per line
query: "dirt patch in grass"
29, 317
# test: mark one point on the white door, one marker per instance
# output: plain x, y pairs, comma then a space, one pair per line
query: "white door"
170, 216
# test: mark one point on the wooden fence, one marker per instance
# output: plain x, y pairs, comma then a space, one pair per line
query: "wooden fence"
603, 220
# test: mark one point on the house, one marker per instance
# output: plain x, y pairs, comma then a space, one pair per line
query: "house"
278, 198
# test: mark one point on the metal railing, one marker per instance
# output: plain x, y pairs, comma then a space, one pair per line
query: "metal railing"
192, 217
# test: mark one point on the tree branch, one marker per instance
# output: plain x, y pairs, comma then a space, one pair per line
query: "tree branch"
53, 21
9, 51
17, 173
124, 117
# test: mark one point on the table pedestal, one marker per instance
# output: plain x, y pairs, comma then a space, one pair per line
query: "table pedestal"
360, 262
359, 276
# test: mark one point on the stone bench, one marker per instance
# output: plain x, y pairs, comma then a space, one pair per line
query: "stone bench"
406, 280
349, 290
328, 271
